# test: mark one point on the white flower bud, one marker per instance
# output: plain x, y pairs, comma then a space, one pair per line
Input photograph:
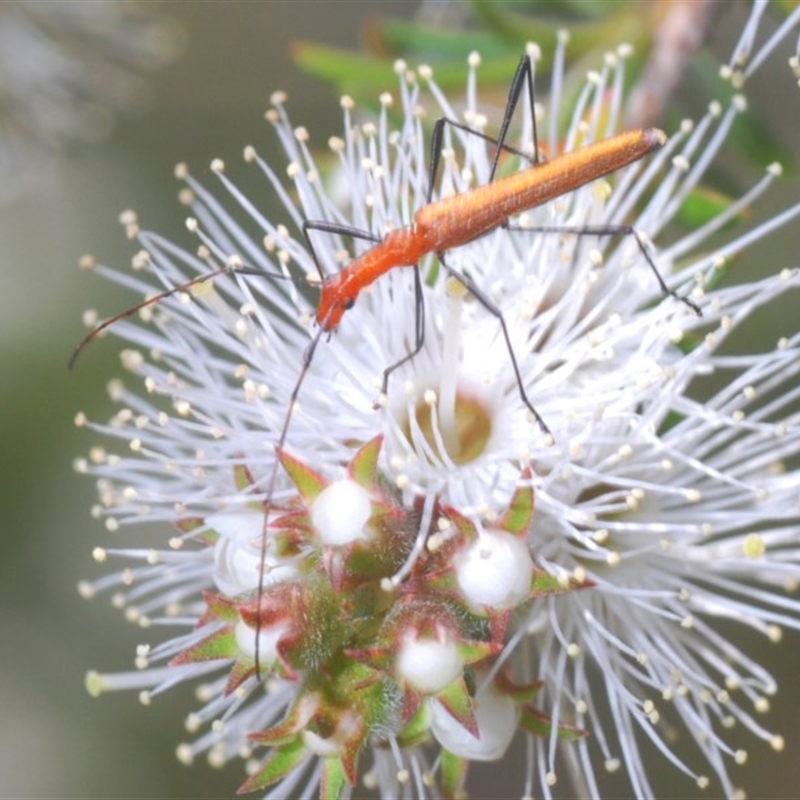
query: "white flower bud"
428, 664
494, 571
340, 513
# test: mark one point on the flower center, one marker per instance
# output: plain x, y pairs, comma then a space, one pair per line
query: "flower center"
465, 438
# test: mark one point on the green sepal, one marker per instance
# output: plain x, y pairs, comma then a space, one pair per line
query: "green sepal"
463, 525
454, 771
520, 693
348, 760
308, 482
191, 524
242, 477
456, 699
544, 584
219, 607
518, 517
471, 651
221, 645
333, 780
240, 672
244, 481
281, 761
364, 466
416, 730
290, 727
540, 724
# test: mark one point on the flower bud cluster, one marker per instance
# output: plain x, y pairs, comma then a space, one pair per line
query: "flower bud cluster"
313, 599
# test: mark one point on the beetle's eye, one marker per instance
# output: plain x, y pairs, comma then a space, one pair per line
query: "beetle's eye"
349, 303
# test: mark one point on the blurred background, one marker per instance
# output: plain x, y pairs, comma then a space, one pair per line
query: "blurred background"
208, 101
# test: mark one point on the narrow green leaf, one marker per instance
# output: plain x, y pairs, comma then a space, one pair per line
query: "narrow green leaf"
704, 204
417, 40
351, 73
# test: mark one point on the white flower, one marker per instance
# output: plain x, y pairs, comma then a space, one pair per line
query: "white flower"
495, 570
660, 511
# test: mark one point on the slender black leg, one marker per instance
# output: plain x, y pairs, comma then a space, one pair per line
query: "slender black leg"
479, 295
332, 227
616, 230
419, 330
523, 74
308, 356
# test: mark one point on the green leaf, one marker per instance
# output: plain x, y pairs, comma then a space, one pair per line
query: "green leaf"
703, 204
189, 524
351, 73
670, 421
625, 23
416, 40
